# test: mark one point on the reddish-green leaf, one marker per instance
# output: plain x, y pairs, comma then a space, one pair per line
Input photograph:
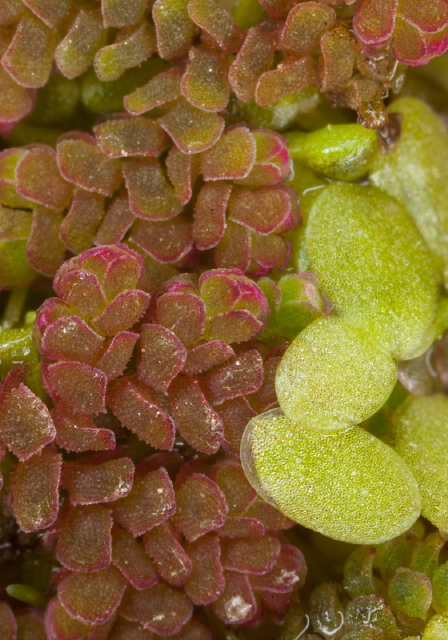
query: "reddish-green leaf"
164, 547
206, 581
151, 197
162, 356
130, 558
79, 226
85, 543
126, 136
38, 179
191, 129
204, 83
150, 502
81, 387
160, 609
201, 507
98, 483
76, 51
35, 490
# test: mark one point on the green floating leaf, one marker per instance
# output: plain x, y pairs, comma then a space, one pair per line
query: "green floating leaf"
374, 266
341, 151
349, 486
415, 171
422, 440
330, 378
436, 629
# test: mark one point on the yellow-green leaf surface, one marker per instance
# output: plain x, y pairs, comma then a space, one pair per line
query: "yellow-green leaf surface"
349, 485
374, 266
415, 171
341, 151
422, 440
330, 377
437, 628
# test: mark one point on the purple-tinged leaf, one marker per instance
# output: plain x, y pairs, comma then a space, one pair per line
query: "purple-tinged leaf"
8, 623
374, 21
11, 12
237, 325
160, 90
25, 423
52, 12
71, 338
288, 573
166, 242
124, 268
206, 581
135, 406
38, 179
160, 609
277, 8
217, 23
305, 25
339, 55
99, 483
79, 226
79, 433
231, 479
208, 355
82, 163
61, 626
253, 59
45, 250
174, 28
116, 222
197, 422
183, 313
209, 221
130, 49
162, 356
80, 386
102, 631
251, 555
151, 197
80, 288
234, 248
35, 490
241, 527
232, 157
237, 604
130, 558
125, 630
85, 543
92, 598
29, 57
204, 83
129, 137
201, 507
115, 358
220, 290
150, 502
266, 398
235, 415
273, 163
289, 77
122, 13
122, 313
191, 129
193, 630
242, 375
181, 170
75, 53
268, 253
269, 516
16, 102
172, 562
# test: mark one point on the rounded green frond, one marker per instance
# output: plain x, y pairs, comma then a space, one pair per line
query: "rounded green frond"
349, 485
331, 378
374, 266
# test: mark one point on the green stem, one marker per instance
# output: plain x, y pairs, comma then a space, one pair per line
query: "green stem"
14, 307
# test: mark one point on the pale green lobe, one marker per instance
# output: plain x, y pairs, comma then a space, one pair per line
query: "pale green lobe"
440, 588
341, 151
415, 171
437, 628
422, 440
374, 266
348, 485
331, 378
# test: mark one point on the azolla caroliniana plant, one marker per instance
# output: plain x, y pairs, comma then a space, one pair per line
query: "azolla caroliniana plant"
223, 272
